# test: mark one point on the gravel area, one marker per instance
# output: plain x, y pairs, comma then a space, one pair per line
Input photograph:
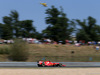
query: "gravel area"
52, 71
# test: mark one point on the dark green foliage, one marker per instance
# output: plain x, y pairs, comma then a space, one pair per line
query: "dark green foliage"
1, 30
38, 35
7, 29
59, 28
21, 28
89, 30
7, 32
14, 15
19, 51
81, 35
12, 27
26, 28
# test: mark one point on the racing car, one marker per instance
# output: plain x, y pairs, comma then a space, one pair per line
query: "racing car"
49, 64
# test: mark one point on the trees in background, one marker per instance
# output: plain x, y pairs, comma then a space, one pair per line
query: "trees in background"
26, 28
7, 29
59, 27
89, 30
12, 27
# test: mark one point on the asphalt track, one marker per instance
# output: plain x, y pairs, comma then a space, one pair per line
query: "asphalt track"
34, 64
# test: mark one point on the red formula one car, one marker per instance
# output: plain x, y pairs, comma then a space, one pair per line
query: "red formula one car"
49, 64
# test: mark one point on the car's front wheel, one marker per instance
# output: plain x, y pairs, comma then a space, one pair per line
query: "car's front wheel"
60, 65
43, 65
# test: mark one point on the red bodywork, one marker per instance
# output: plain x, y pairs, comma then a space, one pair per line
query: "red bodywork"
49, 64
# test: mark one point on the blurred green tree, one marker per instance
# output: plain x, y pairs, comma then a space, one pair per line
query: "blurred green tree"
13, 27
89, 30
59, 27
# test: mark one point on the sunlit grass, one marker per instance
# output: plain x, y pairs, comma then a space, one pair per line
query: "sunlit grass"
60, 52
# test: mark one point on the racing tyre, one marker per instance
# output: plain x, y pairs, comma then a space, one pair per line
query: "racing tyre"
60, 65
43, 65
39, 65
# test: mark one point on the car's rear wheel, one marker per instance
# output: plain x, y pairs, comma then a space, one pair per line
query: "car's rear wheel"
39, 65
